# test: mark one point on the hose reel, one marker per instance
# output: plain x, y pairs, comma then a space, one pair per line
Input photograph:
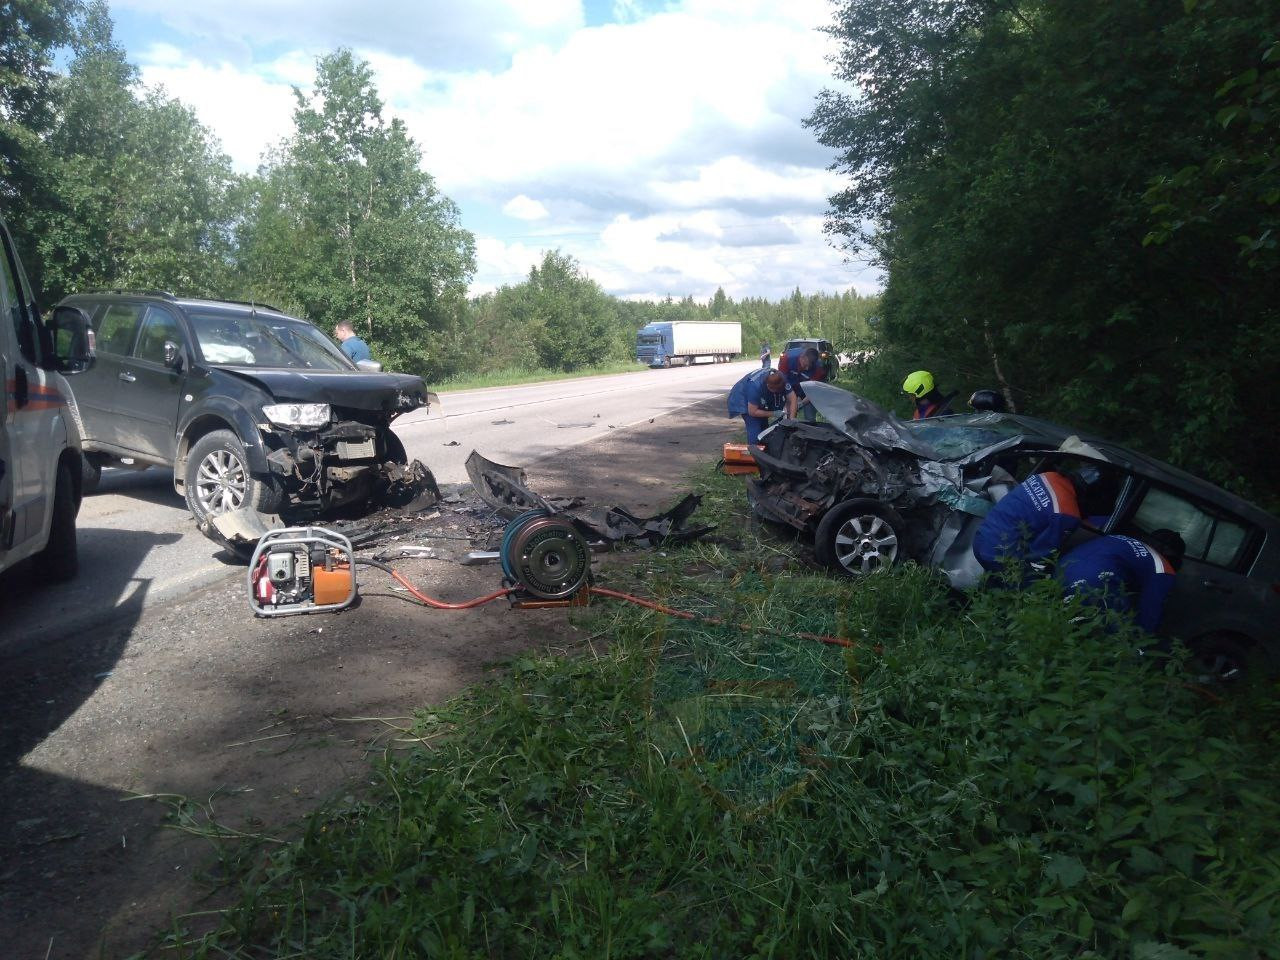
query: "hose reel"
543, 556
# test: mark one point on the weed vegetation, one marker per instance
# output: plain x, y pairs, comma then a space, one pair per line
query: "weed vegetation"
998, 778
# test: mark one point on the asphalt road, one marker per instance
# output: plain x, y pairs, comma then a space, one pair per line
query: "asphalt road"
139, 546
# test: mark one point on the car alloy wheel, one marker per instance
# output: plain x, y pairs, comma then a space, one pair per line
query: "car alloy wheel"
865, 544
221, 482
858, 537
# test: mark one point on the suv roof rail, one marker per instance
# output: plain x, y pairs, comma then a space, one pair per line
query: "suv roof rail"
163, 294
253, 303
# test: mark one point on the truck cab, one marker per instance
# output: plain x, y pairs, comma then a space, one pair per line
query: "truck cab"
40, 465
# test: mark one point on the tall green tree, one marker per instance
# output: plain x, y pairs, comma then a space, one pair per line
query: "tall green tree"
138, 190
31, 33
998, 159
346, 224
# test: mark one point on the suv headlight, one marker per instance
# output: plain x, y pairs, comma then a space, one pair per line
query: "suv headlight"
297, 414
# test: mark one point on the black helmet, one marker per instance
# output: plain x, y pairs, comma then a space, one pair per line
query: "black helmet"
988, 400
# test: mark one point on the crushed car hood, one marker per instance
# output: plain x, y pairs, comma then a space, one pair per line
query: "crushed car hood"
391, 392
863, 421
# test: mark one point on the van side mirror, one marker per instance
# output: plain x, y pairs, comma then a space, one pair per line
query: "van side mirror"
369, 366
72, 337
172, 355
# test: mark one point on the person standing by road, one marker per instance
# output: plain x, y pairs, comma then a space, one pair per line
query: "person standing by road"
766, 355
758, 395
1032, 521
800, 365
355, 348
925, 395
1125, 573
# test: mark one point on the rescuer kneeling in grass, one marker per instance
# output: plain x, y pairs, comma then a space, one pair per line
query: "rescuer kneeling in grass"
756, 396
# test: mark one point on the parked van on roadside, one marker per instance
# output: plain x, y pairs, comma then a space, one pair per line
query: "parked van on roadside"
40, 461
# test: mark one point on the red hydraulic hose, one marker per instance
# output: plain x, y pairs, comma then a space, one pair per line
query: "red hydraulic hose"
596, 591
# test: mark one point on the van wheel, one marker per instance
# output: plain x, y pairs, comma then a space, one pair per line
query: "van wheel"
59, 560
858, 537
219, 481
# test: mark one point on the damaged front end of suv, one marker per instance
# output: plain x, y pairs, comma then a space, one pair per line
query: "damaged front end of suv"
321, 441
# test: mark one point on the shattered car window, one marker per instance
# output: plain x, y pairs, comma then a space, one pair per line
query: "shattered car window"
952, 441
249, 340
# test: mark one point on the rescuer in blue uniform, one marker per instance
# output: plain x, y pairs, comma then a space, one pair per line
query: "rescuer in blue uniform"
758, 394
1124, 573
1032, 521
800, 365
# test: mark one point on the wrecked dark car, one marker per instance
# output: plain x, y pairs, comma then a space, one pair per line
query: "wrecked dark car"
873, 490
258, 413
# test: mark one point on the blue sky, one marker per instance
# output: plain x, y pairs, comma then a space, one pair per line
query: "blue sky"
659, 144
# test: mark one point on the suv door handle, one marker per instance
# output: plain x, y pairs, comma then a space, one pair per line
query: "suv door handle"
1217, 585
127, 377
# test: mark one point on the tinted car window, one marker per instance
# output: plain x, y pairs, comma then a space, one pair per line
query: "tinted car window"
159, 326
115, 329
1210, 537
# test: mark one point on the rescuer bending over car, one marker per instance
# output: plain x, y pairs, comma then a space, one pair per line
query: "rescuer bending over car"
757, 395
801, 365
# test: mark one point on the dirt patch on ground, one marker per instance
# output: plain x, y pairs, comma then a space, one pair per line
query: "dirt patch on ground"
255, 720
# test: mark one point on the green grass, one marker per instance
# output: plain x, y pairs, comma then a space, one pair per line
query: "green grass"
512, 376
1001, 780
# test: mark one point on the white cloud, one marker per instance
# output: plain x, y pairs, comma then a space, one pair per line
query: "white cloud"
447, 34
665, 151
525, 208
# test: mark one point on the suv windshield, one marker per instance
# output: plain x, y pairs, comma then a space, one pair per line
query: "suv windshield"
258, 340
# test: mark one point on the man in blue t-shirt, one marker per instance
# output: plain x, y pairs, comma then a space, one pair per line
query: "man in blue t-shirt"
757, 395
355, 348
1032, 521
1124, 573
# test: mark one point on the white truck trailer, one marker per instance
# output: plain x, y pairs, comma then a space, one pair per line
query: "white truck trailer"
678, 343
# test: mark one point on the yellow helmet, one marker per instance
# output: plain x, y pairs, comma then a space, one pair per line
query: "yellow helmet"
918, 384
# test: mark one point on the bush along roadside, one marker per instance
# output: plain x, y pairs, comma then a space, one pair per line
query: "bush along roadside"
1003, 778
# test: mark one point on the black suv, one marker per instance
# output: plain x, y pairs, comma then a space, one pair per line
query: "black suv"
252, 408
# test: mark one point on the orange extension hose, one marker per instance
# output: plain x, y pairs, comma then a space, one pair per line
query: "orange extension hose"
595, 591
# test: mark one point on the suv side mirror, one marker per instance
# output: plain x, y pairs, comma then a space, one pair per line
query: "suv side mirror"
172, 355
369, 366
72, 337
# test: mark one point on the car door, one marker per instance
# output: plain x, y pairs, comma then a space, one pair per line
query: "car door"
25, 416
116, 326
149, 393
1213, 593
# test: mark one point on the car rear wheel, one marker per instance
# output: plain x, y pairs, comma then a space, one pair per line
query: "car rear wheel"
858, 537
219, 481
1219, 658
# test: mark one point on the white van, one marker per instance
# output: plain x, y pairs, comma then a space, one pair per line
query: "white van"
40, 465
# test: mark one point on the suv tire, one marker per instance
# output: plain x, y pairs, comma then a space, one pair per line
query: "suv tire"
858, 537
218, 479
59, 560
